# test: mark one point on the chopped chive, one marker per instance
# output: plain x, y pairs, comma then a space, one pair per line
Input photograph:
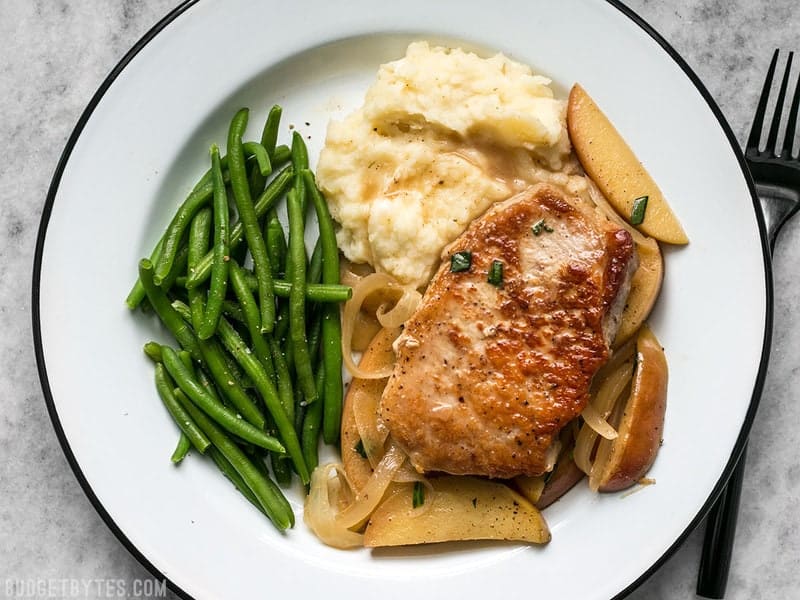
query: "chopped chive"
637, 213
461, 261
418, 497
496, 273
359, 448
540, 226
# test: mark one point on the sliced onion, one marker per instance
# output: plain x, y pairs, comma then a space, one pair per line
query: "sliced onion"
408, 474
593, 419
372, 433
609, 391
365, 287
368, 497
402, 311
322, 508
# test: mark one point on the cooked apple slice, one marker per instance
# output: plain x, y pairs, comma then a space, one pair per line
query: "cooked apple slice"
645, 286
566, 476
622, 462
609, 160
530, 487
646, 281
460, 508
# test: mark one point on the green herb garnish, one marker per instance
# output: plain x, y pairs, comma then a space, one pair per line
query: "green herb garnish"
540, 226
359, 448
496, 273
637, 213
418, 497
460, 261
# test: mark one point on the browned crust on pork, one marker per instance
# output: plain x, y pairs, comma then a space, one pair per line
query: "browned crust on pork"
486, 377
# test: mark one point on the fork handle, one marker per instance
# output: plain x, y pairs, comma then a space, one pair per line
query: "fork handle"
715, 561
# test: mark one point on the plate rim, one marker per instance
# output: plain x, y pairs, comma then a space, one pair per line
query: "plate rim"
158, 28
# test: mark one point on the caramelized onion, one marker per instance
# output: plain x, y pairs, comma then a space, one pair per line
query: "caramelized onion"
371, 431
594, 419
382, 286
611, 387
368, 497
322, 508
402, 311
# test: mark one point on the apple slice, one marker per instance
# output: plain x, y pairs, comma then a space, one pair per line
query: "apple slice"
620, 463
610, 162
460, 508
645, 286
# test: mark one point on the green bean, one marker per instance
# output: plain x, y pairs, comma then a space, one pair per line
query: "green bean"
227, 469
299, 152
268, 392
182, 449
196, 200
268, 494
219, 268
300, 162
255, 180
186, 359
315, 264
265, 201
183, 310
283, 378
314, 334
299, 411
249, 219
331, 317
225, 372
178, 268
185, 422
251, 317
222, 415
282, 323
161, 304
258, 152
269, 137
153, 351
282, 469
199, 236
204, 380
281, 156
233, 310
276, 244
230, 381
137, 294
315, 292
297, 304
311, 425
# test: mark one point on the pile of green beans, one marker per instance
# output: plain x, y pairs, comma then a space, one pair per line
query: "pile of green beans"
254, 376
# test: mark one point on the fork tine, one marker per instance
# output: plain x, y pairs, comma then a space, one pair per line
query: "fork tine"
772, 140
754, 140
791, 124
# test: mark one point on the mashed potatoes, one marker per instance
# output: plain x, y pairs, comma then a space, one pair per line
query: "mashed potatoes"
442, 135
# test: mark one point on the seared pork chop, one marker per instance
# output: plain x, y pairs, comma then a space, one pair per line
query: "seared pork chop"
488, 374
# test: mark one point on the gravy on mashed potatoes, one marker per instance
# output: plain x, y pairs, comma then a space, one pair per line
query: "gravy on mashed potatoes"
442, 135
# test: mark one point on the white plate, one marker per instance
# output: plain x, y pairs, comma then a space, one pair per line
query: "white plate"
141, 144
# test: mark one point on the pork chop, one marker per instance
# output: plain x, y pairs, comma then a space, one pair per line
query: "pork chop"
487, 374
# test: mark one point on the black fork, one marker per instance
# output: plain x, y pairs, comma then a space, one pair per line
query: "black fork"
777, 177
775, 172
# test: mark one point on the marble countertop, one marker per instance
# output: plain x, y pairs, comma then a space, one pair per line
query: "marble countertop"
55, 55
